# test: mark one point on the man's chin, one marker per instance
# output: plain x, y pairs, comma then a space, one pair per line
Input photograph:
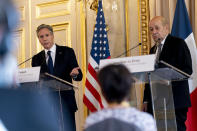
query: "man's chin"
46, 47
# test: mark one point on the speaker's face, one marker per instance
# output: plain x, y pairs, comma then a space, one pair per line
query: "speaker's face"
46, 38
158, 29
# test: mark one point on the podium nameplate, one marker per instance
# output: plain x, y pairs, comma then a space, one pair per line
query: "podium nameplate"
29, 74
134, 64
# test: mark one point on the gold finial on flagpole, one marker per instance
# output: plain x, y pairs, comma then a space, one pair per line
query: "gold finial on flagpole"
94, 5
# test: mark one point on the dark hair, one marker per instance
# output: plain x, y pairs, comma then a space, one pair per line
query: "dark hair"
42, 26
116, 83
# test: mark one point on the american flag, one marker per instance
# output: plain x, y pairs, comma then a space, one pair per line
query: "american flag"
93, 98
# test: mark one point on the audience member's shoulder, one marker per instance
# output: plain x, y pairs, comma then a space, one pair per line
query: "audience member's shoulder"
95, 117
145, 121
138, 115
129, 115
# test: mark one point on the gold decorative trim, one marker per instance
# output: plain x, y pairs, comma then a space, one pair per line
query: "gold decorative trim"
144, 38
139, 26
94, 5
127, 27
21, 49
63, 26
65, 11
144, 30
29, 26
22, 13
83, 34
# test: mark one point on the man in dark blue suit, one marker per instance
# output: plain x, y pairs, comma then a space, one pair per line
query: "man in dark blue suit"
63, 62
176, 53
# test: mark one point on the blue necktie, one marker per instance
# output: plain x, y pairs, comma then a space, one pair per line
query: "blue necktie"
50, 63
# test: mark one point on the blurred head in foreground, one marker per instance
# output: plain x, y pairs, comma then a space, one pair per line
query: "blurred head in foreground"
116, 83
8, 22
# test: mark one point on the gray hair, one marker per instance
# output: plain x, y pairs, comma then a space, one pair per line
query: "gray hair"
42, 26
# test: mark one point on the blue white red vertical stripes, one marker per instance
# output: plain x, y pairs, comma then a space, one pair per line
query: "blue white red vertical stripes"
93, 98
182, 28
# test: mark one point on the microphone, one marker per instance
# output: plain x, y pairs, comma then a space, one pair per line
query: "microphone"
25, 61
159, 46
128, 50
158, 41
43, 58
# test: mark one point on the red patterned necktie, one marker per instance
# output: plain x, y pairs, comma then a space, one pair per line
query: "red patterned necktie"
158, 54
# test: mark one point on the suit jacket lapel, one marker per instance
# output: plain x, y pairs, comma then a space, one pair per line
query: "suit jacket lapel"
58, 57
153, 50
165, 46
43, 62
43, 58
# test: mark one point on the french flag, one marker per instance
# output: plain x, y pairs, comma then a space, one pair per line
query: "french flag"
182, 28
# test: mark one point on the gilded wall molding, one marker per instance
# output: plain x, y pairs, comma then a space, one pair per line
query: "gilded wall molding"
144, 30
65, 27
127, 27
22, 13
45, 10
19, 36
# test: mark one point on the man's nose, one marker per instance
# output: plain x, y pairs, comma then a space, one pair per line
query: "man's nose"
154, 31
44, 38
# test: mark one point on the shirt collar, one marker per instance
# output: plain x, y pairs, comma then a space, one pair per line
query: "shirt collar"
163, 41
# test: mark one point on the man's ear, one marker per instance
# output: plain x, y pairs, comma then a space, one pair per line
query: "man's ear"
167, 28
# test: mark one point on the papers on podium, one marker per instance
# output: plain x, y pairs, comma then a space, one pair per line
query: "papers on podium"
29, 74
31, 77
134, 64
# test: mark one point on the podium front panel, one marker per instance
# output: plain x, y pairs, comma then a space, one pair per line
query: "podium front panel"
162, 103
60, 106
133, 96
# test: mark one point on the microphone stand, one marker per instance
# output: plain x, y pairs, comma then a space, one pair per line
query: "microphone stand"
128, 50
24, 61
30, 59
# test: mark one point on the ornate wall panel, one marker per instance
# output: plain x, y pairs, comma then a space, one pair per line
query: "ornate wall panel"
22, 13
20, 38
62, 29
58, 14
53, 9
